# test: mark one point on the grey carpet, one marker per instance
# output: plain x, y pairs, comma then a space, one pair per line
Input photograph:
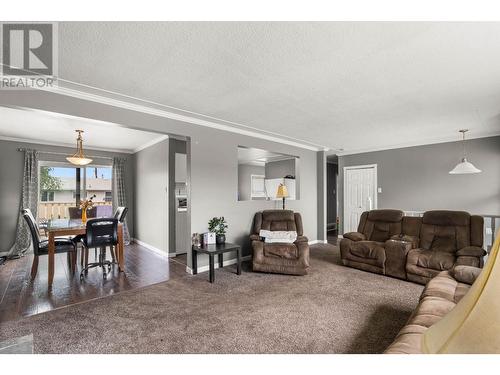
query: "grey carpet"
334, 309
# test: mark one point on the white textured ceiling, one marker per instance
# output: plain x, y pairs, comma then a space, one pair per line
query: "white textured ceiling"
343, 85
49, 128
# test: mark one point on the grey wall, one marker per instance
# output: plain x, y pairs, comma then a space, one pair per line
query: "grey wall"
151, 214
416, 178
245, 171
280, 169
213, 157
11, 175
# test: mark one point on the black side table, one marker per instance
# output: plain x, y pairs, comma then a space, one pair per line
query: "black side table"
212, 250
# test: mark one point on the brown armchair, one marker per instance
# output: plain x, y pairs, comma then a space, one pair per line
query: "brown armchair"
447, 239
287, 258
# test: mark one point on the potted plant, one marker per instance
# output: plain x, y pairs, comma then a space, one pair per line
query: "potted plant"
218, 225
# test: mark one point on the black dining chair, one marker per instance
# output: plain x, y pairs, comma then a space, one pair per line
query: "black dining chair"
120, 214
41, 247
100, 233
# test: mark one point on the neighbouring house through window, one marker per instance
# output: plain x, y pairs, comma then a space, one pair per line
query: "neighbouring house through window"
62, 186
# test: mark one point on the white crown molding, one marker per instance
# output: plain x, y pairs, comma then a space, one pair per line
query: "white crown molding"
451, 138
151, 143
66, 145
156, 109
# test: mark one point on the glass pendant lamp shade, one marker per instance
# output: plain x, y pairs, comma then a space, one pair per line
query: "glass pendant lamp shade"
464, 167
79, 157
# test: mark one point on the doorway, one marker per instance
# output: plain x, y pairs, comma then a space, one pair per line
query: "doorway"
331, 199
360, 193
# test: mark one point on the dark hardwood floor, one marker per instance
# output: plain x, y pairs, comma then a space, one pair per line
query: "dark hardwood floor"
21, 297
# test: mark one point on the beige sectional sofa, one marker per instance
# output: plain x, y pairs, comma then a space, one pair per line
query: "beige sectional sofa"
440, 295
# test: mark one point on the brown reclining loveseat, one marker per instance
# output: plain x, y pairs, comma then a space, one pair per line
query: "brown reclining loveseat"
414, 248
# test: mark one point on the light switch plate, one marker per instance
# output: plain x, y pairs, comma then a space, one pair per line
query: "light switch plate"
379, 190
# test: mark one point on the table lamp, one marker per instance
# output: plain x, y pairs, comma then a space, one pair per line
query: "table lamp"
473, 326
282, 193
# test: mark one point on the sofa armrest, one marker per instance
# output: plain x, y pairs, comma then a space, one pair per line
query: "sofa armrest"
471, 251
302, 239
466, 274
255, 237
303, 249
396, 252
354, 236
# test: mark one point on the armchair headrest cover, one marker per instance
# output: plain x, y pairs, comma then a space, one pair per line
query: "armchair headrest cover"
278, 220
277, 215
446, 218
389, 216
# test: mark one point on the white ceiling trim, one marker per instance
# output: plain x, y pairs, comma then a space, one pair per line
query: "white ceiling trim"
433, 141
105, 97
38, 142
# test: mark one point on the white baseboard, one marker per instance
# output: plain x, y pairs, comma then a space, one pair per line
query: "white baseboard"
317, 241
225, 263
151, 248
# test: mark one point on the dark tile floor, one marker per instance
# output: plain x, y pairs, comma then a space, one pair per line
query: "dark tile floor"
21, 297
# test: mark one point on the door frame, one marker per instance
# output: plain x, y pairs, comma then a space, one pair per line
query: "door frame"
344, 193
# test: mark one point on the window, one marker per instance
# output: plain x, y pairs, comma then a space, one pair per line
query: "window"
63, 185
47, 196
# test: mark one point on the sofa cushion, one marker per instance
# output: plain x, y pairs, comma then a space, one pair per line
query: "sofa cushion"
466, 274
281, 250
368, 249
445, 230
439, 297
380, 225
355, 236
436, 260
390, 216
430, 310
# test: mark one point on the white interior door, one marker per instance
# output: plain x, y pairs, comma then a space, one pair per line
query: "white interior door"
360, 194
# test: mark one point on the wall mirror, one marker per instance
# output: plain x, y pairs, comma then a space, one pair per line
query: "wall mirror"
261, 172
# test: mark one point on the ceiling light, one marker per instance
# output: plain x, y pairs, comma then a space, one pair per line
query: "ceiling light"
464, 167
79, 157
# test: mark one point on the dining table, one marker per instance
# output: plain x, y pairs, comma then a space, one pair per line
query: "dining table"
74, 227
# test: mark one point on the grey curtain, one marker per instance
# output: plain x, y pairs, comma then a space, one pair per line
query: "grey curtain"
29, 199
119, 192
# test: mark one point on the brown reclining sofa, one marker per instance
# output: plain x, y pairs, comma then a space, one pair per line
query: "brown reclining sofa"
414, 248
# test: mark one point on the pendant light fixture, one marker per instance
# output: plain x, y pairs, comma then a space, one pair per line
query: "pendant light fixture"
79, 157
464, 167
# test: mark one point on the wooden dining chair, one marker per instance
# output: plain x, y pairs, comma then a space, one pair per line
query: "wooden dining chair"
41, 247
